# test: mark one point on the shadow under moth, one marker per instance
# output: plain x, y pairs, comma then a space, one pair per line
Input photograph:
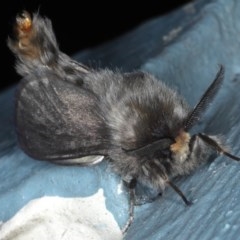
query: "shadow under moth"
67, 112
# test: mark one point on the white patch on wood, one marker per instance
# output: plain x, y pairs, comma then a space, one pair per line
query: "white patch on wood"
54, 218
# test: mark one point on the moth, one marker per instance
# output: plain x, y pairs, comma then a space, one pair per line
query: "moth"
66, 112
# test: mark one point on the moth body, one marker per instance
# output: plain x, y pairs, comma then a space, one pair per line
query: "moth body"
66, 111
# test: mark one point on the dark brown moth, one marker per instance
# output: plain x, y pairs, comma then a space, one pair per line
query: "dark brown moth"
66, 111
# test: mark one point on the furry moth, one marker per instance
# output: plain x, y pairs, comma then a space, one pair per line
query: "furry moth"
66, 111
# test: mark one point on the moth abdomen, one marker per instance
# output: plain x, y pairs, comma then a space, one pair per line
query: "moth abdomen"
36, 49
34, 40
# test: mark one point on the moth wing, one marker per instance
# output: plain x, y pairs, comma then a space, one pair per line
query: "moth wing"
57, 120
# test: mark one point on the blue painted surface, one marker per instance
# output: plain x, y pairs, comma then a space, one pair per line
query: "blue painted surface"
209, 36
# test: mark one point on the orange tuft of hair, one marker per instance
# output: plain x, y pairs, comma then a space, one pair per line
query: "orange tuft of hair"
181, 142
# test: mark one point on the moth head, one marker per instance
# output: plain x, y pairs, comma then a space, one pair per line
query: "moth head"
186, 146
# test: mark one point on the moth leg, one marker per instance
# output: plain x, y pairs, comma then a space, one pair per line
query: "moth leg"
131, 186
217, 146
179, 192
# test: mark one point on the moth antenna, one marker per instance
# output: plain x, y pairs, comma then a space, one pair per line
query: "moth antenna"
217, 147
207, 97
179, 192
